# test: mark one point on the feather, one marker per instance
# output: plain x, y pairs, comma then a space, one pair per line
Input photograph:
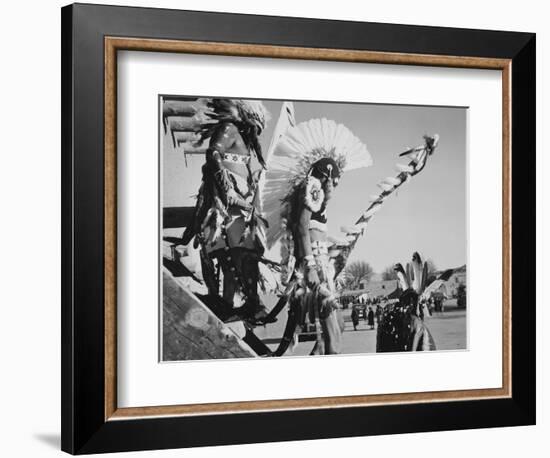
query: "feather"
385, 186
361, 226
404, 168
436, 284
394, 181
417, 269
349, 230
410, 275
337, 240
286, 120
414, 150
424, 281
356, 229
403, 283
334, 252
419, 160
446, 275
371, 211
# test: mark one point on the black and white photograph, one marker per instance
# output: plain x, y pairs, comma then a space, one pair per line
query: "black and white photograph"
296, 228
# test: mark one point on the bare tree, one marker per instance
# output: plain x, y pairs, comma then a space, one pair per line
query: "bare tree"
389, 274
432, 270
356, 272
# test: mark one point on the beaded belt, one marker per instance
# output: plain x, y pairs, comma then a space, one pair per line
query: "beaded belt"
236, 158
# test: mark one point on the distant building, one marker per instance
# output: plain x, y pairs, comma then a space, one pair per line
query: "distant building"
379, 288
384, 288
372, 289
458, 278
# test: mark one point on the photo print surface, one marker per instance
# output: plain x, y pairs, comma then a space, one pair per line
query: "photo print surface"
296, 228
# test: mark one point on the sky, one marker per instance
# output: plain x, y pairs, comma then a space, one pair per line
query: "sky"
427, 215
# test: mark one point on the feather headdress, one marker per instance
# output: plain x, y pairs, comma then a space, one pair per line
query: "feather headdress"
191, 121
415, 277
291, 161
241, 110
251, 115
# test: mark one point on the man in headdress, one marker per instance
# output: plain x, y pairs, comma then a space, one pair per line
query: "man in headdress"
314, 270
303, 171
225, 220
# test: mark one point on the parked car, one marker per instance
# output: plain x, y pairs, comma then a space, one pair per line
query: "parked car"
361, 310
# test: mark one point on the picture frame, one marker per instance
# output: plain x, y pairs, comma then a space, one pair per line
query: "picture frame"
92, 35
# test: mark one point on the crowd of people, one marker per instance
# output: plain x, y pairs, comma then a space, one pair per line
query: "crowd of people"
370, 312
371, 309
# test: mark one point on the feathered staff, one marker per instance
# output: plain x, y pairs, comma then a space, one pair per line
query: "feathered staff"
419, 157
